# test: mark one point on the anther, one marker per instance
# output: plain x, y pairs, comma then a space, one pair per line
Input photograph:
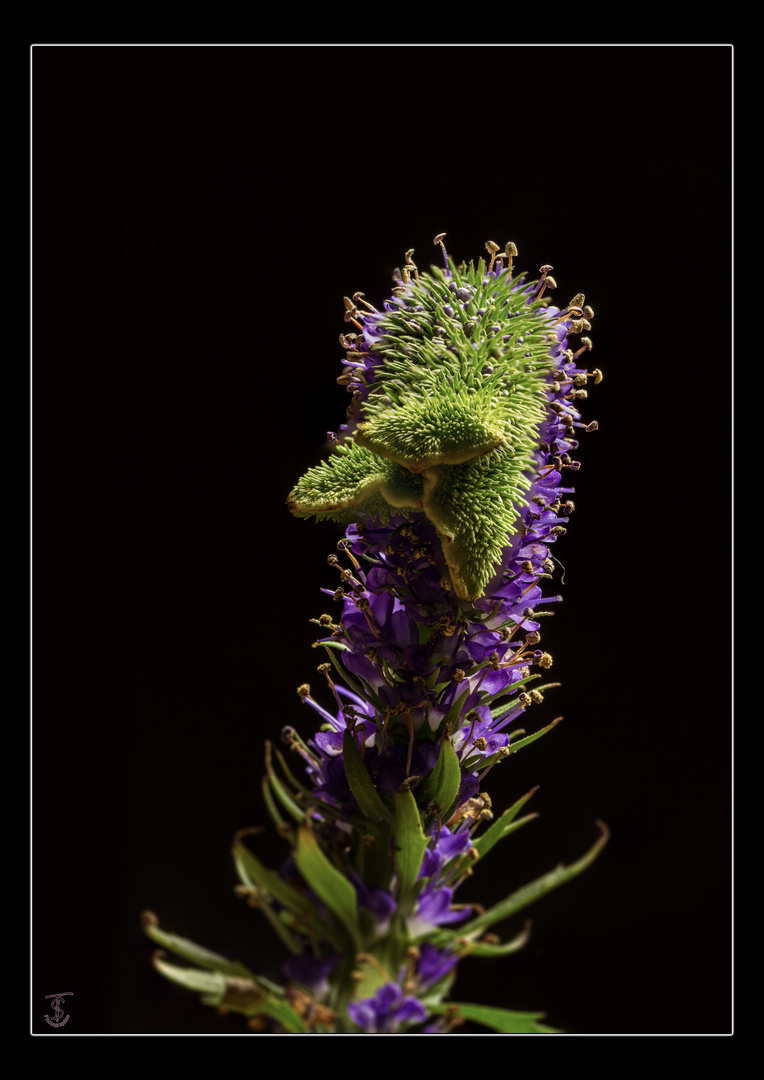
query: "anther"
360, 296
491, 248
546, 281
586, 343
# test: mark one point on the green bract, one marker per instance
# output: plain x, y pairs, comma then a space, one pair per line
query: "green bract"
457, 376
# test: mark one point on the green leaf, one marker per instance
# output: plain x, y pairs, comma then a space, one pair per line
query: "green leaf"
283, 1013
210, 983
327, 882
361, 783
450, 780
538, 888
233, 994
410, 842
490, 949
441, 786
253, 874
501, 1020
284, 797
345, 675
189, 950
514, 747
449, 720
500, 828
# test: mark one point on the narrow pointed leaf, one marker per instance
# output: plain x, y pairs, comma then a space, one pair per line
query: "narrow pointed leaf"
283, 1013
502, 1020
190, 951
327, 882
442, 785
254, 874
538, 888
500, 828
361, 784
285, 798
410, 841
210, 983
450, 780
504, 948
532, 738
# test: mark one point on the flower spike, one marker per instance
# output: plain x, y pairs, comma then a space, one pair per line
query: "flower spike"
449, 476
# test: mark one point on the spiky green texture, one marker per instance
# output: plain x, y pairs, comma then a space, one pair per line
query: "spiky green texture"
354, 482
450, 422
451, 387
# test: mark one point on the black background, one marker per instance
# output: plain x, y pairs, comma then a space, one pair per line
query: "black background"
198, 215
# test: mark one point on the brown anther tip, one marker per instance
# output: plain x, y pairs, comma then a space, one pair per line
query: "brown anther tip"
148, 920
578, 301
439, 238
491, 247
545, 268
303, 690
510, 250
598, 376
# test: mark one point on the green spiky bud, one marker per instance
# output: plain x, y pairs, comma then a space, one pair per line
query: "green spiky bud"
452, 384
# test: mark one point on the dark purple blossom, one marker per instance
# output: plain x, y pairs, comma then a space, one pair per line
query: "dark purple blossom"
388, 1011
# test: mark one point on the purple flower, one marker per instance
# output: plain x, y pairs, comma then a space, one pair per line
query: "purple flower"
388, 1011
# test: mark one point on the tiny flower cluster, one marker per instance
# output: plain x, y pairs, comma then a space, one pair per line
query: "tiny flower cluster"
450, 477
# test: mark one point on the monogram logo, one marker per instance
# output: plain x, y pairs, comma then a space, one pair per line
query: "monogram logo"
58, 1011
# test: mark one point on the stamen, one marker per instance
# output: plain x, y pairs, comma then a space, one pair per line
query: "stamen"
546, 281
360, 296
492, 248
586, 343
324, 669
439, 240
